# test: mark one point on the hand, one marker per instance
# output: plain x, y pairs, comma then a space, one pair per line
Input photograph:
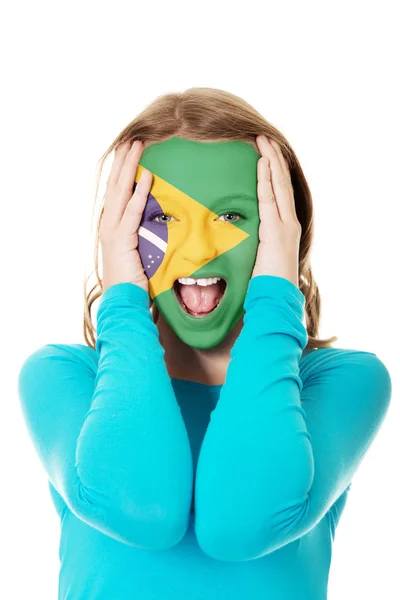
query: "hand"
280, 231
121, 218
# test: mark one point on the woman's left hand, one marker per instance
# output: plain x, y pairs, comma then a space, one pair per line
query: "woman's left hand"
280, 231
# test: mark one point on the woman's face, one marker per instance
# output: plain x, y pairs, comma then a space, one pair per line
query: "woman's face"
201, 221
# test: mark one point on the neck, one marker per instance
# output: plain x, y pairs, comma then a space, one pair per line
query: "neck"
204, 366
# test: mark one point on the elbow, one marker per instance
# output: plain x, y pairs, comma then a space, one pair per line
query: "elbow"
158, 534
237, 544
149, 528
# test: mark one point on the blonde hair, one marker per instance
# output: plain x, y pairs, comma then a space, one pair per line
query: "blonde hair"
208, 114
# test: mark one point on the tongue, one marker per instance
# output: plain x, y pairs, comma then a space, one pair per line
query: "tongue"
201, 298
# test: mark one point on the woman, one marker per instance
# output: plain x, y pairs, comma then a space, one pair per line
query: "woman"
204, 448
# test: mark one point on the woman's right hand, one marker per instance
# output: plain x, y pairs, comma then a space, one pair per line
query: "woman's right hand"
121, 218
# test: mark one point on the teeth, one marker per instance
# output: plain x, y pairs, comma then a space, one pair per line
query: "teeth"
190, 281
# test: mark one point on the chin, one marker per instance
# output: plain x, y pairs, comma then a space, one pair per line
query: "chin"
199, 341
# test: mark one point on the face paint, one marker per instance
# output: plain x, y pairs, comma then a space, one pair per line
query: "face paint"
201, 220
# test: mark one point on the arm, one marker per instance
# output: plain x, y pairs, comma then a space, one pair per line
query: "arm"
280, 449
111, 435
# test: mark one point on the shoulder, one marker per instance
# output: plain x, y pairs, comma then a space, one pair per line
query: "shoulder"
53, 356
358, 369
313, 359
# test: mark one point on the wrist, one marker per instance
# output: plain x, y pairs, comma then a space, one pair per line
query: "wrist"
293, 278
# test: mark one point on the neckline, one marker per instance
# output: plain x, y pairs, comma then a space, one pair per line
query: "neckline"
196, 384
215, 387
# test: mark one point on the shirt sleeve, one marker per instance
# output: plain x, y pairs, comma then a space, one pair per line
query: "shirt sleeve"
108, 429
288, 432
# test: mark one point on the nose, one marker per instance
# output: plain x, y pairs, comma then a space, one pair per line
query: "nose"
199, 247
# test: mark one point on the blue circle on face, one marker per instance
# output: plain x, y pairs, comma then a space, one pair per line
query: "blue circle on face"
152, 237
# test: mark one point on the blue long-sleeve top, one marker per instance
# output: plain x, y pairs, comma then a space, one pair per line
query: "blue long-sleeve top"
168, 488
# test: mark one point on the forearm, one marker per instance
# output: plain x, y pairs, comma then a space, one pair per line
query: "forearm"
255, 466
133, 454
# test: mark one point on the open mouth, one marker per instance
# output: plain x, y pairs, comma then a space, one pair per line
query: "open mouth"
200, 301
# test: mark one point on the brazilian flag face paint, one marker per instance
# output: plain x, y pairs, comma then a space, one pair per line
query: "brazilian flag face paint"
201, 221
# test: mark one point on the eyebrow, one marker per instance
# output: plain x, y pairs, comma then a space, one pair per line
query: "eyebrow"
235, 197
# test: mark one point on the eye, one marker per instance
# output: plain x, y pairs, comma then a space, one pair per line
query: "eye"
232, 214
155, 216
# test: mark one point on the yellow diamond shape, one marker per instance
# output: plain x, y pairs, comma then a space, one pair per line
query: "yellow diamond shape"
176, 262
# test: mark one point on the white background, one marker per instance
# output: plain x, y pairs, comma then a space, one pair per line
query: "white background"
74, 74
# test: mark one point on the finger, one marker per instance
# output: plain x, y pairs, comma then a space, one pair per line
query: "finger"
128, 172
134, 209
286, 179
281, 183
282, 161
119, 157
268, 209
119, 193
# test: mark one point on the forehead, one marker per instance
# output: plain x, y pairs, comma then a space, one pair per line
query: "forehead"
204, 169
